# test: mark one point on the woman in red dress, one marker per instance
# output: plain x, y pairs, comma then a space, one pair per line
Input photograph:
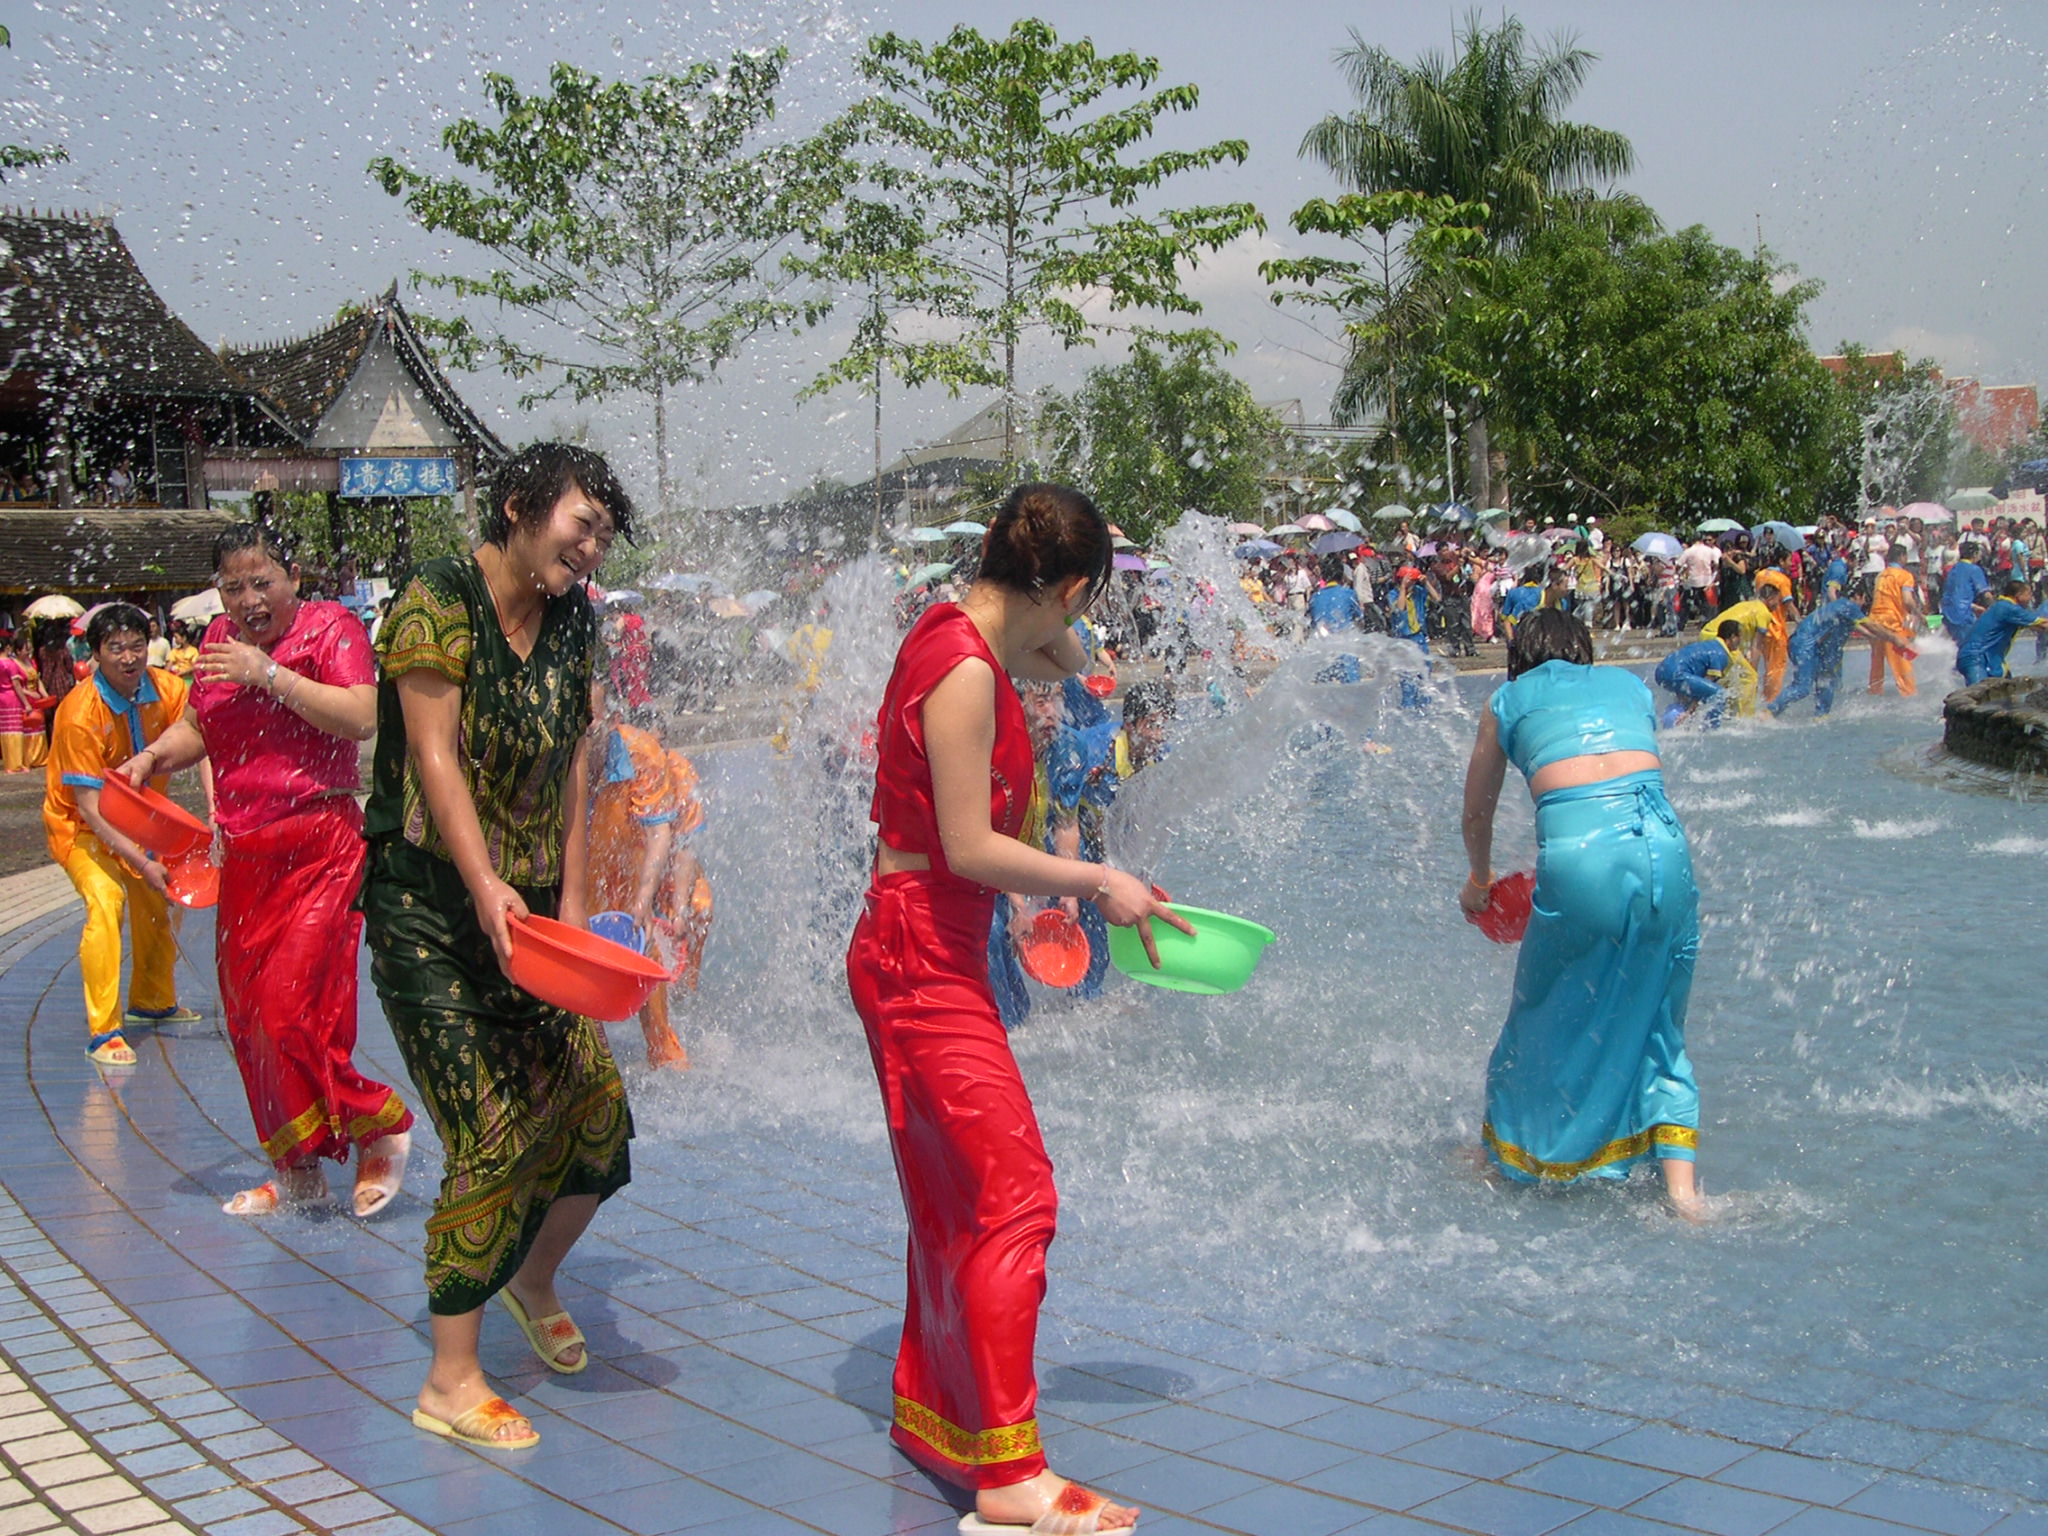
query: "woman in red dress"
285, 691
952, 780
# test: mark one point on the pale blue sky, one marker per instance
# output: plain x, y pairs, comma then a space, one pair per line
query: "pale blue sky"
1892, 149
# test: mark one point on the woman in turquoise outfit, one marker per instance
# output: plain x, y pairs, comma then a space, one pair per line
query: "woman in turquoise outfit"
1590, 1074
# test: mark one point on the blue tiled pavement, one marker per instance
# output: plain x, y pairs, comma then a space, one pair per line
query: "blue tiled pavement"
741, 1301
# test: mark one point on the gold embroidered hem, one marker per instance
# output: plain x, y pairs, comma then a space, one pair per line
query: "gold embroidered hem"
1677, 1138
968, 1447
287, 1139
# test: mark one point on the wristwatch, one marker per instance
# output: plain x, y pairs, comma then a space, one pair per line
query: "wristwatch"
270, 678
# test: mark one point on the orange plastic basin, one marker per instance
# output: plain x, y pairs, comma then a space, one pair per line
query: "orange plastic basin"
581, 972
155, 821
1055, 951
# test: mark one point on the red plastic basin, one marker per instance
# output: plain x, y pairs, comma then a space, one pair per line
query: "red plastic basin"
581, 972
155, 821
1506, 917
1055, 951
194, 880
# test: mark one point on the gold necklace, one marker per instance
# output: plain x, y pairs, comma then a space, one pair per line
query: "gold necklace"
498, 612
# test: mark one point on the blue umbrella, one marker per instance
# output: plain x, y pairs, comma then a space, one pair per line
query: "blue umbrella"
1659, 546
1788, 537
1454, 512
1336, 542
1257, 549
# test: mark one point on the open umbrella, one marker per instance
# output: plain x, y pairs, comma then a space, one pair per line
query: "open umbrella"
1285, 529
1788, 537
924, 575
1344, 519
1118, 541
727, 608
1336, 542
965, 528
1961, 501
622, 597
758, 599
1494, 515
1393, 512
1424, 551
1453, 513
1124, 562
928, 535
1257, 549
683, 581
1316, 522
55, 606
1245, 530
1658, 546
1523, 551
1560, 533
1720, 525
197, 608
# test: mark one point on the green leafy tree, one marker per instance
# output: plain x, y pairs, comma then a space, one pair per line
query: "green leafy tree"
1167, 432
639, 228
21, 157
1665, 374
914, 306
1395, 303
1035, 183
1481, 127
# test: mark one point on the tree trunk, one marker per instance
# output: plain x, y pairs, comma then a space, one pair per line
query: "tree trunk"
875, 534
1479, 464
662, 488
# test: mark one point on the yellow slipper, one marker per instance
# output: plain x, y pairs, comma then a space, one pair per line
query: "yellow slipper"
477, 1426
550, 1336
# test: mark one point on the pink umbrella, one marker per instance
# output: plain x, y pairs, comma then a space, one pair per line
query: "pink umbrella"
1317, 521
1131, 563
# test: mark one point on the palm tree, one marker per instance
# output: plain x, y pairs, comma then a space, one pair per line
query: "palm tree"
1483, 126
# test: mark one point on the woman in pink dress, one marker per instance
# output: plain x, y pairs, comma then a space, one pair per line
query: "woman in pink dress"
285, 691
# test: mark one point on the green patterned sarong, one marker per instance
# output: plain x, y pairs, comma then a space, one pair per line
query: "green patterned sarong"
524, 1095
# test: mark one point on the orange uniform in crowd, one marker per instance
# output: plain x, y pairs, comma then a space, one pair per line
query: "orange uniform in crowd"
1891, 606
1777, 640
644, 795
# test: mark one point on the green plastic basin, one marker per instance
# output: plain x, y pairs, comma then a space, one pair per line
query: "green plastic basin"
1219, 958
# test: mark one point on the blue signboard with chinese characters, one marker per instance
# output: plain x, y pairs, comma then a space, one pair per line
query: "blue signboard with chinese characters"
397, 477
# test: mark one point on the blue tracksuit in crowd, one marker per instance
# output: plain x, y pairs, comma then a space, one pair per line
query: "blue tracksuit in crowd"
1960, 589
1982, 653
1690, 672
1815, 652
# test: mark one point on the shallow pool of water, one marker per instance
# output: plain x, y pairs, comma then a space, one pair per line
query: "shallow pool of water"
1865, 1024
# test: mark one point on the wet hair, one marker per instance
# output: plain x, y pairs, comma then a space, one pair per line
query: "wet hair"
237, 537
1046, 534
1549, 634
1729, 630
1148, 700
116, 619
1969, 550
2017, 590
537, 476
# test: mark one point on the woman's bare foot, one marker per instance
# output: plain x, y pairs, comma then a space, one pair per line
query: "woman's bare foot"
1020, 1504
1682, 1191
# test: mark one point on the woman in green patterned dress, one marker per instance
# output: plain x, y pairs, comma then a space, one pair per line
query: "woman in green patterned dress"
476, 818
